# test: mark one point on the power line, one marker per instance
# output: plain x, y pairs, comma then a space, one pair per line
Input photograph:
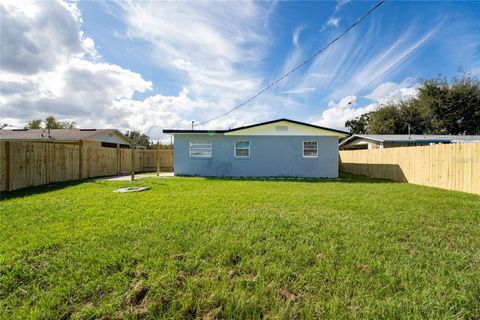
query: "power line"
365, 15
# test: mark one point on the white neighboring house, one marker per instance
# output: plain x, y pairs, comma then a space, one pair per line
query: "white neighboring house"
380, 141
110, 138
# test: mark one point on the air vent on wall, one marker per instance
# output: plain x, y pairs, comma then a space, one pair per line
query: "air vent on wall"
282, 128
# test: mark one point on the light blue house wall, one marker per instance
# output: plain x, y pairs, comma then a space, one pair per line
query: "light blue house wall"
269, 156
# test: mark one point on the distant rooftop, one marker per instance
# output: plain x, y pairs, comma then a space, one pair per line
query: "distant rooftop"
401, 138
53, 134
416, 137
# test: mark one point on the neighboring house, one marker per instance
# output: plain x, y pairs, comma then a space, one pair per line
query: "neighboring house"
279, 148
379, 141
101, 137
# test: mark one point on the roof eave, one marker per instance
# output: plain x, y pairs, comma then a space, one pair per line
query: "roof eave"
255, 125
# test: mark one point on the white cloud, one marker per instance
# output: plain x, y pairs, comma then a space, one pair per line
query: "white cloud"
299, 90
53, 68
338, 113
391, 91
36, 38
296, 35
353, 65
218, 44
333, 21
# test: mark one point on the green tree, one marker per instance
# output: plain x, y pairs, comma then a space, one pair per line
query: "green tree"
359, 124
52, 123
385, 120
451, 108
140, 139
441, 107
34, 124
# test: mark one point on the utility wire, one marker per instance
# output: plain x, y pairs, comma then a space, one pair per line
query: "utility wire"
365, 15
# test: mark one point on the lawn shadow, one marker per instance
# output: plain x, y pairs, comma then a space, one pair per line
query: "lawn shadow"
29, 191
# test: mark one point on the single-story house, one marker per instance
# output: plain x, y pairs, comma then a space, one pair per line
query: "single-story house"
379, 141
278, 148
101, 137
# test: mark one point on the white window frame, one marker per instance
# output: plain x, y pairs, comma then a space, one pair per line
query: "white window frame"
235, 149
209, 142
303, 149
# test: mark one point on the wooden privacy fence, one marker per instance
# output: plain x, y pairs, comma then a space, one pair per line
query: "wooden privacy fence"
446, 166
33, 163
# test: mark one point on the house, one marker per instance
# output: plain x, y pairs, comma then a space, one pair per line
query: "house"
379, 141
101, 137
279, 148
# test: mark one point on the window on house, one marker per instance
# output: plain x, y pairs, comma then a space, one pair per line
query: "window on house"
242, 149
200, 148
310, 149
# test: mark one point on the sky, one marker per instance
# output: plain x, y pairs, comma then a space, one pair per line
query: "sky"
150, 66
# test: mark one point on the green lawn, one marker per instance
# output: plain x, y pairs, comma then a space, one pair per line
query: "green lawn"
193, 248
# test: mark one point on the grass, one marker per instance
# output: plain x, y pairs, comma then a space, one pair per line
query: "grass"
212, 248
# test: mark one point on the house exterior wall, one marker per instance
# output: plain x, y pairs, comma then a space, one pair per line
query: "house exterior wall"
270, 156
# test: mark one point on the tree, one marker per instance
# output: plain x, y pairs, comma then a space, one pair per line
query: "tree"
359, 124
140, 139
451, 108
34, 124
385, 120
3, 125
50, 123
441, 107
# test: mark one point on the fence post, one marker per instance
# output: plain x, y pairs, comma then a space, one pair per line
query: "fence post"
133, 162
158, 158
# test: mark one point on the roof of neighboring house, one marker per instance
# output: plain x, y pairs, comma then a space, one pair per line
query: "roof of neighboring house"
55, 134
252, 126
401, 138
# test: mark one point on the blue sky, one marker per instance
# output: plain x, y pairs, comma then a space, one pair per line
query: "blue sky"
153, 65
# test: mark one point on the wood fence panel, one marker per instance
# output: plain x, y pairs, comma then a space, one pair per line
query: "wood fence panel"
3, 166
101, 161
446, 166
33, 163
125, 160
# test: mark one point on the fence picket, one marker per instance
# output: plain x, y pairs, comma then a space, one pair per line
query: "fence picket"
446, 166
32, 163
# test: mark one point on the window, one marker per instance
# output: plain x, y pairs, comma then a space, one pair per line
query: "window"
310, 149
200, 148
242, 149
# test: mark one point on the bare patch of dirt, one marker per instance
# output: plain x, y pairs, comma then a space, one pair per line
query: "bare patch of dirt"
287, 295
138, 294
365, 268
